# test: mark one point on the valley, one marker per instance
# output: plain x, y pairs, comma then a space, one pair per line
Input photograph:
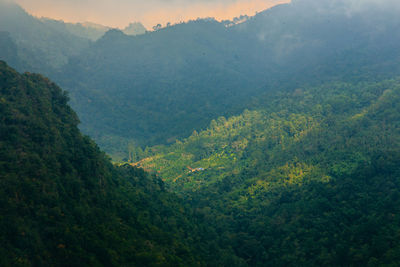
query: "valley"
269, 141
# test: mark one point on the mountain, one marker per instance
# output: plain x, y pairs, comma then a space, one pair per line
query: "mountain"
62, 203
134, 28
166, 83
175, 80
309, 178
159, 86
271, 141
310, 39
87, 30
40, 46
9, 50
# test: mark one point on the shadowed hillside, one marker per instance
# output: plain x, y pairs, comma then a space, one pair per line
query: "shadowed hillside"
62, 203
175, 80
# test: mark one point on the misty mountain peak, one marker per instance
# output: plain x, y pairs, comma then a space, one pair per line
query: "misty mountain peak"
112, 34
135, 28
11, 10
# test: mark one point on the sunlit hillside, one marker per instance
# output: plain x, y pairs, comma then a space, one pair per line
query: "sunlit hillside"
265, 140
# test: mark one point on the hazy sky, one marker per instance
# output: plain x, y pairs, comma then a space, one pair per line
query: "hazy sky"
119, 13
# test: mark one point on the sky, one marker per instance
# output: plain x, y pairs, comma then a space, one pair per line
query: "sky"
119, 13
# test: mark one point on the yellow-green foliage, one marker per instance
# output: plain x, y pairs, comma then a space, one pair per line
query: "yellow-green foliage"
227, 146
64, 204
306, 178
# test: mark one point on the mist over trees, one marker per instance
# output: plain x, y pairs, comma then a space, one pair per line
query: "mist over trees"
170, 82
270, 140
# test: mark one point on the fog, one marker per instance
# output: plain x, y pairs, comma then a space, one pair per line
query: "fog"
119, 13
350, 7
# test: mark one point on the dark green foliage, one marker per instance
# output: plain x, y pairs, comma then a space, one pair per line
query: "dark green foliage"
160, 86
62, 203
308, 176
166, 83
311, 178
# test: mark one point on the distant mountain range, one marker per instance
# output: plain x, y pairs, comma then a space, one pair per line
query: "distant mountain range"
87, 30
40, 47
43, 44
90, 30
159, 86
271, 140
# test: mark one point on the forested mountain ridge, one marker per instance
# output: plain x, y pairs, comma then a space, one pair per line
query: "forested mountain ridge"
9, 50
319, 40
282, 121
309, 178
169, 82
307, 175
62, 203
86, 30
40, 46
45, 45
160, 86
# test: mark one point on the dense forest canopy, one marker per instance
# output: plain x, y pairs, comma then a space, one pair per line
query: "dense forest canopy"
62, 203
270, 142
159, 86
163, 85
311, 178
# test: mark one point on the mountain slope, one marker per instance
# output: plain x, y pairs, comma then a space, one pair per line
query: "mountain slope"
90, 31
166, 82
9, 50
175, 80
316, 40
62, 203
41, 47
311, 178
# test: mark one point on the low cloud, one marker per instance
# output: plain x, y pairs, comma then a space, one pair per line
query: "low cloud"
349, 6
